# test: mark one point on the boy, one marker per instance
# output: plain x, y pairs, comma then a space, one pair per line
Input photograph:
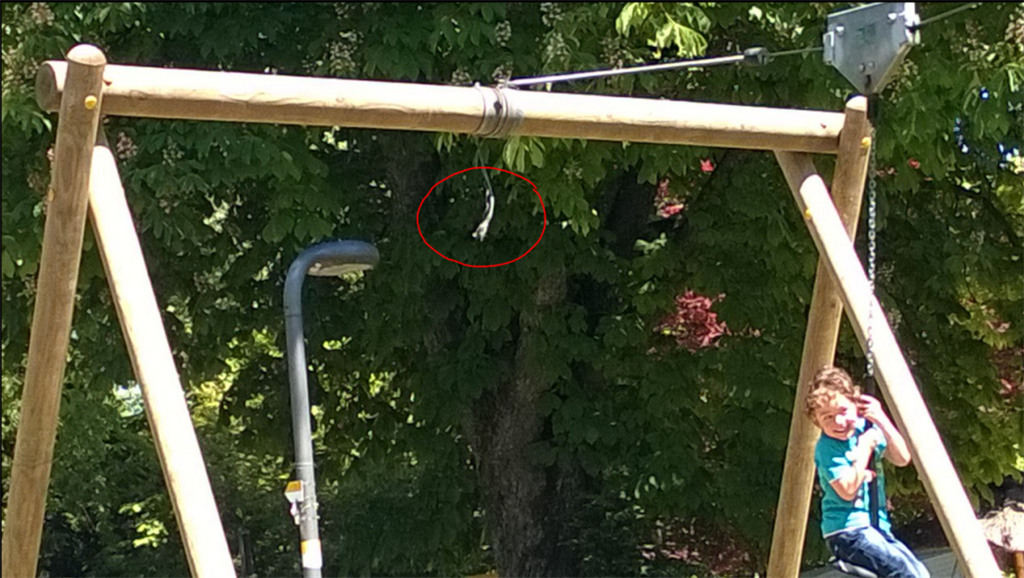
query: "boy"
842, 456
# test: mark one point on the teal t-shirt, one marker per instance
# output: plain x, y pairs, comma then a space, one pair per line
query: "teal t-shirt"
833, 458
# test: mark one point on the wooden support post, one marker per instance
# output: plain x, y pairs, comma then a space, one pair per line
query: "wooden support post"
819, 349
266, 98
55, 302
962, 528
169, 420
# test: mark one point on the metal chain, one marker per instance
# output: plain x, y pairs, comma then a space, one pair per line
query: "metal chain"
872, 226
874, 497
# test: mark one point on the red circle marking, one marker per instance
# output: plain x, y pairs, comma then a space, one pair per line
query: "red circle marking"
545, 214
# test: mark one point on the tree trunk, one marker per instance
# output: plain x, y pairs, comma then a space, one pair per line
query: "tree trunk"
528, 506
531, 509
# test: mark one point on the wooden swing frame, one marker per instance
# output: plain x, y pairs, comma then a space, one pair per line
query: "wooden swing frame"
86, 181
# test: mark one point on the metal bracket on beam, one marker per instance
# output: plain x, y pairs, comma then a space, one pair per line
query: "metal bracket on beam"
501, 116
867, 44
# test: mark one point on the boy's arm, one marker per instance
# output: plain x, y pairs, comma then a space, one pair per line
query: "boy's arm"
848, 484
896, 450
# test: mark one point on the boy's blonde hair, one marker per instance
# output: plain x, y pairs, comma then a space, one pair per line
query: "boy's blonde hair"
828, 383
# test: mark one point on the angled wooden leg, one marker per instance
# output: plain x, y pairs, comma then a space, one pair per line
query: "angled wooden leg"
143, 328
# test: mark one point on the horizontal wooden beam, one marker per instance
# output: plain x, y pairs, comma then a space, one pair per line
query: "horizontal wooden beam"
267, 98
962, 528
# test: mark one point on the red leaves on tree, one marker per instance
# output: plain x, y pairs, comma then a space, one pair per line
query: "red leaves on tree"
693, 325
669, 204
666, 203
669, 210
914, 163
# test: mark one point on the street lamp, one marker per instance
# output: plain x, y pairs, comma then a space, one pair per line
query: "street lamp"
324, 260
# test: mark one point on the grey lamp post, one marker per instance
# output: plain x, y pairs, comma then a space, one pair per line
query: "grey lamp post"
324, 260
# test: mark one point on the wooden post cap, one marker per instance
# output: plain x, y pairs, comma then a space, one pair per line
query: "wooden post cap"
87, 55
857, 103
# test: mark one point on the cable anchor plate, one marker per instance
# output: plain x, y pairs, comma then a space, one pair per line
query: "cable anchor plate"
867, 44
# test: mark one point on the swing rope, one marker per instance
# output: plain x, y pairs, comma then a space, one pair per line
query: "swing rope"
481, 230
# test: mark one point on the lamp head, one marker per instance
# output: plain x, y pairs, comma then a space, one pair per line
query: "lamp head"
339, 257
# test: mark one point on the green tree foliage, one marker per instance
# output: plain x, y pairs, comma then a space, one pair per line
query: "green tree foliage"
620, 395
